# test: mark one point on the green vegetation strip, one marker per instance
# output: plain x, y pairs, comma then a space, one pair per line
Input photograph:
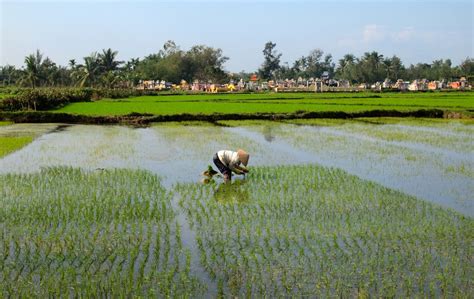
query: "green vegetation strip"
11, 144
273, 103
310, 231
66, 232
143, 119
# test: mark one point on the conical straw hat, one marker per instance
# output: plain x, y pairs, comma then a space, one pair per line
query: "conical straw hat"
243, 156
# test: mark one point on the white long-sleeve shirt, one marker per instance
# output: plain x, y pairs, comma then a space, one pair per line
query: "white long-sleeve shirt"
229, 158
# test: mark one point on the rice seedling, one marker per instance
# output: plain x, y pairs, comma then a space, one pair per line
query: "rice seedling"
411, 165
284, 231
272, 103
316, 231
65, 231
447, 137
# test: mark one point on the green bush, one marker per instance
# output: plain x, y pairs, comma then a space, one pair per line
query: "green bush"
46, 98
10, 90
50, 98
120, 93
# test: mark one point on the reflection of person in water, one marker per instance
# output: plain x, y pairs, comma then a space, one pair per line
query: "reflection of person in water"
229, 161
267, 133
229, 193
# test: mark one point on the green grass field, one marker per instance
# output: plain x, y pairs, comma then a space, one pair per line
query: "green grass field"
274, 103
11, 144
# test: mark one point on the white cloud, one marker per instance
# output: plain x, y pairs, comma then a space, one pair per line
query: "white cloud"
405, 34
372, 33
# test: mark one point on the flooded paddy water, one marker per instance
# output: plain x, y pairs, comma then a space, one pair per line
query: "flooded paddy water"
434, 162
378, 207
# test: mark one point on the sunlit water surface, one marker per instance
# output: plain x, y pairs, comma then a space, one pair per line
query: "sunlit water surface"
434, 163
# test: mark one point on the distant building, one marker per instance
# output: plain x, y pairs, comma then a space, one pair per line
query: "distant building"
401, 85
343, 84
376, 87
417, 85
433, 85
387, 83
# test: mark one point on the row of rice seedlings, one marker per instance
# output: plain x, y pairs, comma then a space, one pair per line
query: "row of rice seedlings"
67, 232
449, 166
310, 230
427, 136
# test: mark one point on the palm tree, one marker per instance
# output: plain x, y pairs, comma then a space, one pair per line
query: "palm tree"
387, 66
49, 71
88, 73
347, 68
129, 71
109, 79
107, 60
396, 67
72, 63
8, 74
348, 59
132, 64
372, 66
32, 74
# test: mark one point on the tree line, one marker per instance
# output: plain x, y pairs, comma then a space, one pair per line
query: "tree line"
203, 63
371, 67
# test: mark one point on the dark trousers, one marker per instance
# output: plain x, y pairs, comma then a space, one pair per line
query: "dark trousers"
222, 168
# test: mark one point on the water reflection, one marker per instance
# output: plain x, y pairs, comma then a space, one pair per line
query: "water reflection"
228, 193
434, 163
267, 133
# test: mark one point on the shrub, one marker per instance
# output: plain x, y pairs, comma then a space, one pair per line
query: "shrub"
10, 90
46, 98
50, 98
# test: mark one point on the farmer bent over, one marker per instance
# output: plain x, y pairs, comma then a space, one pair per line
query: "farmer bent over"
229, 161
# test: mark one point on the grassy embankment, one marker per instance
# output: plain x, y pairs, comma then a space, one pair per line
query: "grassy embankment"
10, 144
285, 231
274, 103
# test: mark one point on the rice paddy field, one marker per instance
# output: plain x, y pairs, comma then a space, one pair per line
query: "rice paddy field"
376, 207
274, 103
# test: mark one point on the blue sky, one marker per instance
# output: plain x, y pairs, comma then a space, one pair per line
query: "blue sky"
417, 31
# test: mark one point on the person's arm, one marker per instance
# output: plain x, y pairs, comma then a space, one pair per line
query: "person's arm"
236, 170
239, 169
243, 168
